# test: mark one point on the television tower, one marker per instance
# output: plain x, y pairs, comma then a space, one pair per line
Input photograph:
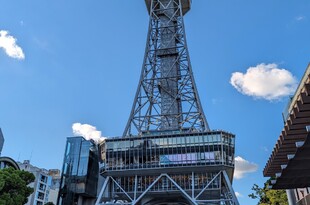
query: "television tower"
168, 154
167, 98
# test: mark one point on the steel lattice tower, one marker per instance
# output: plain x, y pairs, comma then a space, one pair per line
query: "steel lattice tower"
167, 98
167, 154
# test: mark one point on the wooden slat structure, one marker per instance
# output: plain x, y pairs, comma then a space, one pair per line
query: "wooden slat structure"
289, 158
296, 174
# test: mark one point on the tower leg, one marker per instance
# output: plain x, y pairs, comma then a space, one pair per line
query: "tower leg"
104, 186
231, 190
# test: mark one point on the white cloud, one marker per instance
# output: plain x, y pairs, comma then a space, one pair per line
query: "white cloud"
238, 194
87, 131
300, 18
265, 81
8, 43
242, 167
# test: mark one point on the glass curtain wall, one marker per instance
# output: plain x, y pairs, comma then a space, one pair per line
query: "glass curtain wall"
80, 171
168, 151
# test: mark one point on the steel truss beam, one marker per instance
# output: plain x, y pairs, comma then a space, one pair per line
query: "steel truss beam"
227, 194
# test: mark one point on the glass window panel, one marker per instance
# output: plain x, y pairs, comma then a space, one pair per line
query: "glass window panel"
170, 142
178, 140
109, 145
137, 143
126, 144
207, 139
183, 141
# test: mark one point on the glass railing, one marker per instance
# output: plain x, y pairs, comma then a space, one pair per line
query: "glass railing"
166, 142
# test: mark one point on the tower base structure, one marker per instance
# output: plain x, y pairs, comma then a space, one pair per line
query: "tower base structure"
178, 168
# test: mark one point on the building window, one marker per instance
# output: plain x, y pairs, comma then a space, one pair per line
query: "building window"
43, 179
41, 196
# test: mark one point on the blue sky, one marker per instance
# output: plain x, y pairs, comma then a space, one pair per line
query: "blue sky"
83, 60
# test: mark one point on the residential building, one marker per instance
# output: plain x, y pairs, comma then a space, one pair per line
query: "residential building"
55, 184
41, 185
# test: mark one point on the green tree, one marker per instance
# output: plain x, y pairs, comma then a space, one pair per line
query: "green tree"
268, 196
13, 186
49, 203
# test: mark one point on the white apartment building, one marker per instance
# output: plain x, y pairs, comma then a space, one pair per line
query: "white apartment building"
41, 184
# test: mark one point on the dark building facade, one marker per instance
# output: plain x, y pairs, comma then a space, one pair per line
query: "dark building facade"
79, 173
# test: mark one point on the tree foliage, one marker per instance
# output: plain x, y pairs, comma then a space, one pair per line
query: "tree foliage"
49, 203
268, 196
13, 186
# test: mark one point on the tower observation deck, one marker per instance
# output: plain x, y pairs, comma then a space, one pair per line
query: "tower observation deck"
167, 154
